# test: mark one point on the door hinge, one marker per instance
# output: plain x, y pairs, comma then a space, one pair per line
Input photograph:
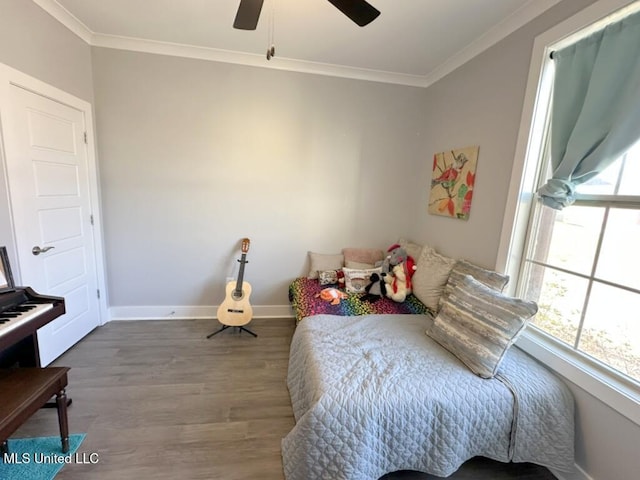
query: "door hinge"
91, 218
98, 292
85, 137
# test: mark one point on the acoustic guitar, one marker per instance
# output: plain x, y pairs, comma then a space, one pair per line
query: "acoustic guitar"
235, 310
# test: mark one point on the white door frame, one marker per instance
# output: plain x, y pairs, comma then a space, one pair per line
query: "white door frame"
10, 76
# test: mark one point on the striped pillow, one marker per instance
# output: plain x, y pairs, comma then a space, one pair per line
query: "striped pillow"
492, 279
478, 324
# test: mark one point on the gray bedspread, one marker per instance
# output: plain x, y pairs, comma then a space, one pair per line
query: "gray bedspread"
374, 394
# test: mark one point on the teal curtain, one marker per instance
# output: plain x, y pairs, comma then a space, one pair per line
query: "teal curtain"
595, 114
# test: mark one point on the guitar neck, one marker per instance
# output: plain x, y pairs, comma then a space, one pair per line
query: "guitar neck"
242, 260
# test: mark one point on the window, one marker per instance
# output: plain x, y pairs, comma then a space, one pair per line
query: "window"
580, 264
582, 267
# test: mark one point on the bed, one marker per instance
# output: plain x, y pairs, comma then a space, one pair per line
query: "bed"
373, 394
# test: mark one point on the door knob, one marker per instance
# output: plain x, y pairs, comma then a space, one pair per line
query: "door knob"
37, 250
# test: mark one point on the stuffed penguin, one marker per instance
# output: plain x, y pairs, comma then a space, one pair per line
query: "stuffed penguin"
376, 289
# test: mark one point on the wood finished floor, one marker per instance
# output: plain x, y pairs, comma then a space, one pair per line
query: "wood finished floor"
158, 400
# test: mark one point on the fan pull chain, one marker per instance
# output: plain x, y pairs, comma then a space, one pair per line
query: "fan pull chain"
271, 49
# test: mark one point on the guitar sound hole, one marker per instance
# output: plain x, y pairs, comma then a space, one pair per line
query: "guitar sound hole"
237, 295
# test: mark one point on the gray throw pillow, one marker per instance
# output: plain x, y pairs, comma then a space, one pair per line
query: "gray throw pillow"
478, 325
490, 278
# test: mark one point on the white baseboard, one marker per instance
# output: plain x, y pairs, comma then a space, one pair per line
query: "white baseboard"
167, 312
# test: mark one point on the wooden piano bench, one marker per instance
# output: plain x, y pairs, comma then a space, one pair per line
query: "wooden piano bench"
23, 391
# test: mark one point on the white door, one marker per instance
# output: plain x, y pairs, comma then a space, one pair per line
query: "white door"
47, 166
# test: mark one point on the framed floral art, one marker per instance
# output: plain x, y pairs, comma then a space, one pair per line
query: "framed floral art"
452, 180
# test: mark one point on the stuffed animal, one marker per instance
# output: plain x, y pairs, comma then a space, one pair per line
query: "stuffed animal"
398, 255
395, 255
332, 295
376, 289
385, 265
397, 285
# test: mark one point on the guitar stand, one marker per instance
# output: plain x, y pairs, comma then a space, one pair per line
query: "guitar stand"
224, 327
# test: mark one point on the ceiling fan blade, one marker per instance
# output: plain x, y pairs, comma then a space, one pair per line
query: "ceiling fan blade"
248, 14
360, 11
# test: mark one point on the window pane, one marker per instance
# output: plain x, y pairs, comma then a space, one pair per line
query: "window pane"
619, 260
629, 184
611, 331
568, 239
604, 183
560, 298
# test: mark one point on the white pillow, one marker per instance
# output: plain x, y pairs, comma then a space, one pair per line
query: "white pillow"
328, 277
431, 277
413, 249
322, 261
355, 279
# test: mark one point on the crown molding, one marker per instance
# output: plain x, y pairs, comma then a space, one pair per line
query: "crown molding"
519, 18
66, 18
253, 60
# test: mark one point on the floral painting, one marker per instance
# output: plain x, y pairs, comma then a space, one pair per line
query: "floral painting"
452, 179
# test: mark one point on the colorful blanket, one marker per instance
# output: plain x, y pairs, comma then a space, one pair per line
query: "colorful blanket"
303, 291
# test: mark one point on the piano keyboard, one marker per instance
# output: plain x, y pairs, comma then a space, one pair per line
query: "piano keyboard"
14, 317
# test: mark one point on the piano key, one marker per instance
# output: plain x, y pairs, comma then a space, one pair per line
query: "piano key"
35, 311
14, 322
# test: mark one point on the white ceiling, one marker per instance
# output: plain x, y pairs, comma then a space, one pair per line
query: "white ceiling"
412, 42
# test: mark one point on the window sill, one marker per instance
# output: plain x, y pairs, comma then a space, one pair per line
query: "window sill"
616, 392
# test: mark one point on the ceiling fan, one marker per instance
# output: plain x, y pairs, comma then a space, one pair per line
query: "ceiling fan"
360, 11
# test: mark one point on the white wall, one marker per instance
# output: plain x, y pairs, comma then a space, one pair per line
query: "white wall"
36, 44
33, 42
478, 104
195, 155
481, 104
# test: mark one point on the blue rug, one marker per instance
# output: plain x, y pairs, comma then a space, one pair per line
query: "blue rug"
39, 458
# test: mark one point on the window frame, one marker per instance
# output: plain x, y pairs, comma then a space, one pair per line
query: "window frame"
604, 383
